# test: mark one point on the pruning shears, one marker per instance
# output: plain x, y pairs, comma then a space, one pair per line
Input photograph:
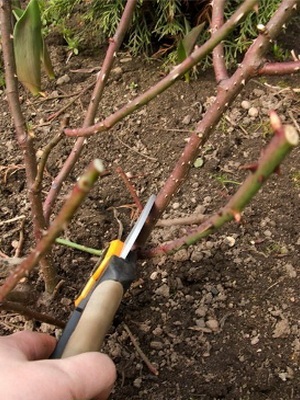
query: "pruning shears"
100, 298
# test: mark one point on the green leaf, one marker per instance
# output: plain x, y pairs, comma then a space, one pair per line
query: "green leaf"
181, 53
28, 46
186, 45
181, 56
46, 60
191, 38
17, 12
199, 162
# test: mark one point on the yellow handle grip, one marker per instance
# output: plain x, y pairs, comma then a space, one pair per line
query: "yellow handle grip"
115, 248
96, 319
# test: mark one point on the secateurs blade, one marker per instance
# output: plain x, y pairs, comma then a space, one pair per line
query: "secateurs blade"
99, 300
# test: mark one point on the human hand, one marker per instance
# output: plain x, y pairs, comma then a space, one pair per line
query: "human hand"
27, 374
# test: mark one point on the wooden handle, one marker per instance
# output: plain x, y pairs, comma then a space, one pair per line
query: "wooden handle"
96, 319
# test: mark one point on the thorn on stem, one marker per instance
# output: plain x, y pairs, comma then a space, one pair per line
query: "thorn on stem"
262, 28
261, 179
236, 215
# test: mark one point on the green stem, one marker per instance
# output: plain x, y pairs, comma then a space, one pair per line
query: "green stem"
80, 247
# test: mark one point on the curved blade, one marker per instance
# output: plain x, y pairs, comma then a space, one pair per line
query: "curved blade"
133, 235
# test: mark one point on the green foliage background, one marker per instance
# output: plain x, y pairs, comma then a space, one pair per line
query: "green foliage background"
157, 24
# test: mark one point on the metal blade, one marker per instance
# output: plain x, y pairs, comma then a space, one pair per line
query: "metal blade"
133, 235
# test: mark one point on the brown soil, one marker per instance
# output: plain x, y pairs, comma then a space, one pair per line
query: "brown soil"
219, 320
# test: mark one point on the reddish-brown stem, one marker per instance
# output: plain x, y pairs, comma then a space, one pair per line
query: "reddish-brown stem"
279, 68
172, 184
130, 188
227, 92
114, 45
25, 139
78, 194
217, 21
31, 314
284, 140
171, 78
143, 356
64, 108
193, 219
46, 152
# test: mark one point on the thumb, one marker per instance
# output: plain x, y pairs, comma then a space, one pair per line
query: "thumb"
28, 345
91, 375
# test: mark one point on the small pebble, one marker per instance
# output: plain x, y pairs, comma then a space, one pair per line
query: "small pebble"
258, 92
200, 322
181, 255
267, 233
255, 340
179, 283
117, 72
206, 200
137, 382
253, 112
65, 301
282, 329
209, 245
213, 324
201, 311
189, 298
214, 291
196, 256
46, 328
154, 275
245, 104
158, 331
230, 241
156, 345
163, 290
63, 79
292, 273
187, 119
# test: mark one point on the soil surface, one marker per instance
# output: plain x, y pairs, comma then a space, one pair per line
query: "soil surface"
219, 320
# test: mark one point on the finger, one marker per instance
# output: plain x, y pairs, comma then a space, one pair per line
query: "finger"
30, 345
91, 375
